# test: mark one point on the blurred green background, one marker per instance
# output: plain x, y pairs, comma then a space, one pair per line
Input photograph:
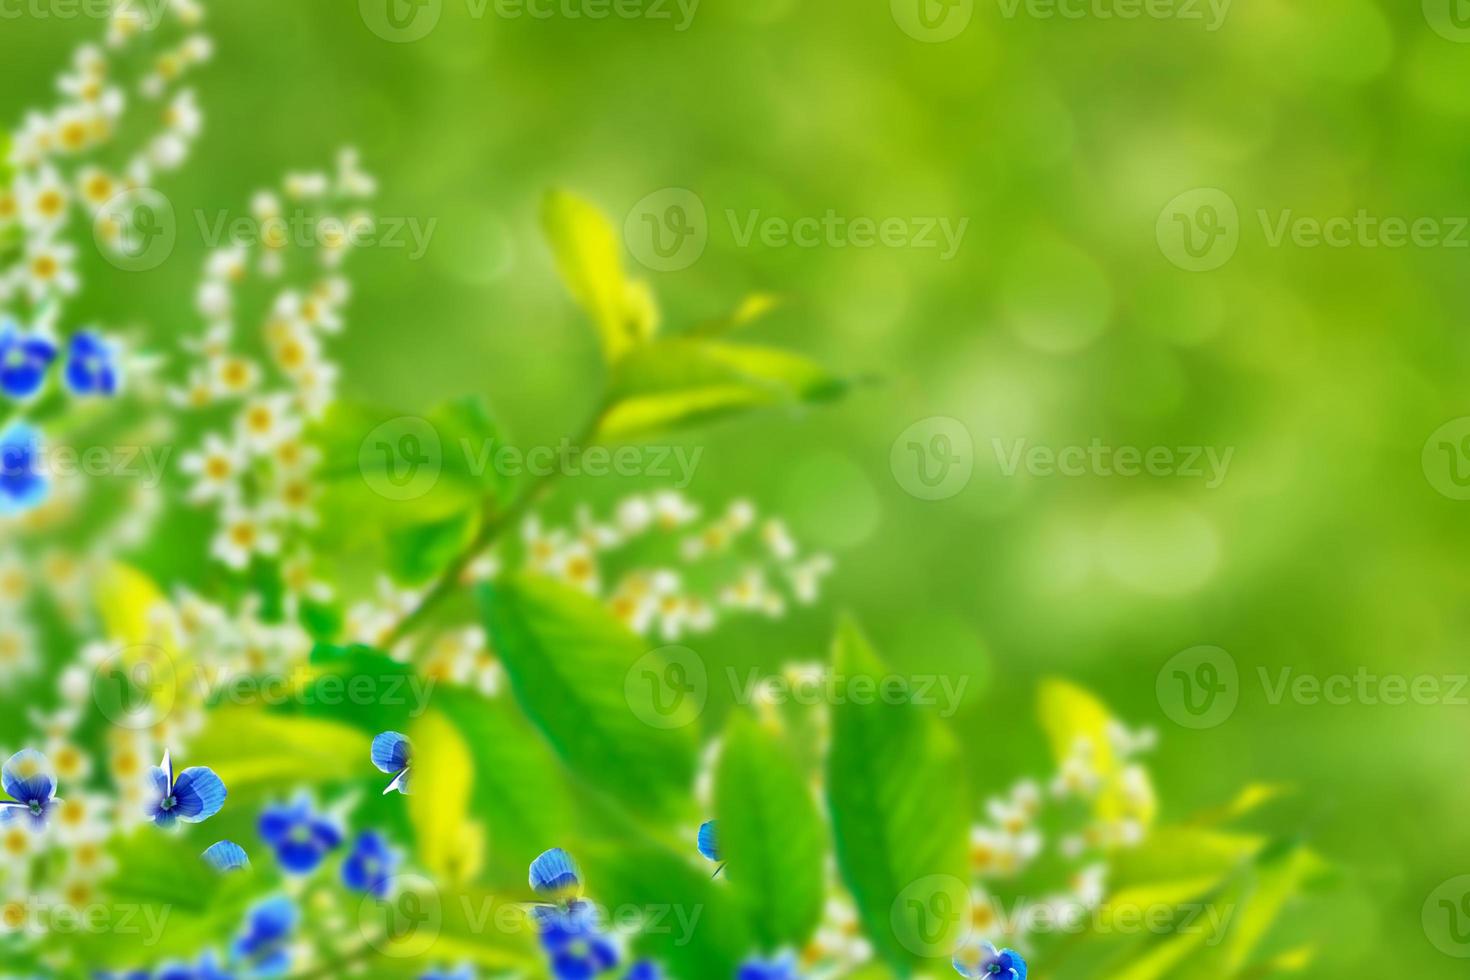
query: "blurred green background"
1061, 319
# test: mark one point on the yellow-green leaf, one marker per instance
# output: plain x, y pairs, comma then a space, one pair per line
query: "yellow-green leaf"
589, 257
451, 846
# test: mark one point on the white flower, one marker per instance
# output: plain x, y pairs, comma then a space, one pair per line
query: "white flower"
96, 187
266, 422
673, 510
48, 268
43, 201
183, 116
244, 534
233, 376
215, 467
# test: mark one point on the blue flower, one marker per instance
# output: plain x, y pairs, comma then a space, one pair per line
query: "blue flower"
370, 865
23, 361
554, 873
570, 937
195, 796
987, 961
644, 970
390, 754
299, 837
22, 484
263, 945
91, 365
31, 783
778, 969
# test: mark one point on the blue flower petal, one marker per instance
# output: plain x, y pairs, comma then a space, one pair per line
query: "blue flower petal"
390, 752
226, 855
554, 872
708, 843
200, 794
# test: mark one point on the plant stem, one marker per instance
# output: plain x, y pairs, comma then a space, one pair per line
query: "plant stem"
494, 520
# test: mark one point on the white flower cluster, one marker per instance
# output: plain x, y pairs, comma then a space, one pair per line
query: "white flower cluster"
257, 472
1116, 801
54, 158
749, 560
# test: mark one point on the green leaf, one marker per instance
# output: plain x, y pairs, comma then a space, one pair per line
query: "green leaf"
255, 752
589, 256
689, 381
362, 687
418, 553
569, 662
771, 835
519, 787
451, 847
691, 924
900, 814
